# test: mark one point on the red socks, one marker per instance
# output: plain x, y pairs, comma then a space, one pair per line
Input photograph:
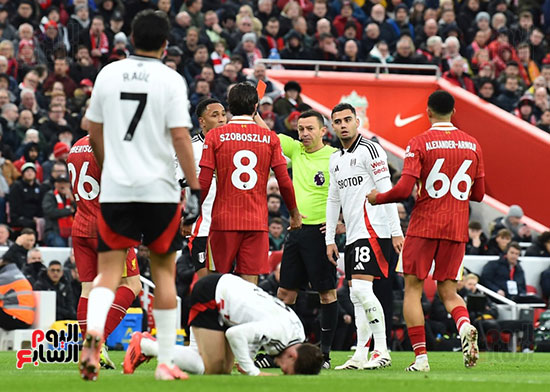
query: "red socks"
123, 299
81, 314
460, 316
417, 335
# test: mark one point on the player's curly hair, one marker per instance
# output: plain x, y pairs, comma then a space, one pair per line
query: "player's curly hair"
242, 99
309, 361
441, 102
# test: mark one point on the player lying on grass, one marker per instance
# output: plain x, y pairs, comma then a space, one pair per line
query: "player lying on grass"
232, 319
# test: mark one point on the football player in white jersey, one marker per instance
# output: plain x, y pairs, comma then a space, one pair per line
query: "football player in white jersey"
211, 114
232, 319
139, 119
358, 167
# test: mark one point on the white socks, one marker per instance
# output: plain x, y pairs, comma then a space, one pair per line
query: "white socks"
186, 358
362, 289
363, 329
99, 303
165, 322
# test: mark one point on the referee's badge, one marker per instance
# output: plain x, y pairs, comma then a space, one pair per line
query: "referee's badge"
319, 178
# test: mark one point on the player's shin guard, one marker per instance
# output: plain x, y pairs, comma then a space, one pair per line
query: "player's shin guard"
375, 314
329, 321
188, 359
124, 297
99, 302
165, 321
81, 315
364, 332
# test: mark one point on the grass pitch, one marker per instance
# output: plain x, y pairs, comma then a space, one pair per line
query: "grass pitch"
496, 372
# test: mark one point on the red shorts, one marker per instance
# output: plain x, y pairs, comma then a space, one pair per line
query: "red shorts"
249, 249
85, 255
419, 253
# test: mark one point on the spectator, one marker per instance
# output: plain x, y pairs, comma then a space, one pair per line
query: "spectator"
271, 37
505, 275
8, 120
219, 57
276, 233
542, 101
403, 217
83, 67
525, 109
193, 8
457, 76
512, 222
274, 202
345, 17
60, 74
260, 74
24, 123
58, 168
17, 253
401, 21
294, 48
248, 50
5, 235
387, 32
96, 41
326, 49
498, 244
271, 284
35, 266
25, 198
77, 26
31, 154
528, 68
55, 124
16, 291
486, 90
71, 272
290, 101
59, 207
477, 244
405, 54
544, 122
508, 98
540, 247
223, 81
54, 280
512, 70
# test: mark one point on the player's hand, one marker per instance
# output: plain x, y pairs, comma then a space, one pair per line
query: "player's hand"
296, 220
192, 207
372, 197
333, 254
340, 228
397, 243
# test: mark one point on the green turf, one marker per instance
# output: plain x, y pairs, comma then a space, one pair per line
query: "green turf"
496, 372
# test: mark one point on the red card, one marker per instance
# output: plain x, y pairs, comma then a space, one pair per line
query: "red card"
260, 88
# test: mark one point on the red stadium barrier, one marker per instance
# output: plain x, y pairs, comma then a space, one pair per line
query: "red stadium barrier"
394, 107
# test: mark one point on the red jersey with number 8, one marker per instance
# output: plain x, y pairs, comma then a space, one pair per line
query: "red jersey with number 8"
85, 174
446, 162
241, 153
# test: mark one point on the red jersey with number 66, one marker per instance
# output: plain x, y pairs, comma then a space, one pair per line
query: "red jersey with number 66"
446, 162
241, 153
85, 175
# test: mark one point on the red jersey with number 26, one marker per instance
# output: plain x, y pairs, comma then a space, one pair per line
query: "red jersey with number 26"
241, 153
446, 162
85, 174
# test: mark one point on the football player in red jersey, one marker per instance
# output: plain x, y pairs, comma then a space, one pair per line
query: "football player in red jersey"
85, 174
447, 164
242, 154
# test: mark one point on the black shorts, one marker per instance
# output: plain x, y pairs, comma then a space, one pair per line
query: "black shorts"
305, 260
155, 225
204, 310
368, 257
197, 246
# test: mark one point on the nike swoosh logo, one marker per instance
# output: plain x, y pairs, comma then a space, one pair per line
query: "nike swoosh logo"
401, 122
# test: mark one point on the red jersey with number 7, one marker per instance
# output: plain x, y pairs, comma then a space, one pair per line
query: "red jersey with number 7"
85, 175
242, 154
446, 162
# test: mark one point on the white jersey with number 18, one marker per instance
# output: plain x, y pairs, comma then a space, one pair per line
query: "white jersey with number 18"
138, 100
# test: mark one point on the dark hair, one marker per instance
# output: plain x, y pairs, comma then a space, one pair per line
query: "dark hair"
474, 225
341, 107
274, 196
514, 245
441, 102
242, 99
27, 230
523, 45
150, 30
512, 63
54, 262
276, 220
544, 237
313, 113
203, 104
309, 361
273, 19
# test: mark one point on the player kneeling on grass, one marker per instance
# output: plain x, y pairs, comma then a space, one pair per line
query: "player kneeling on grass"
232, 319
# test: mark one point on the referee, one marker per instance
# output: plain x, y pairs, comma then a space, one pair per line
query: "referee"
304, 257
